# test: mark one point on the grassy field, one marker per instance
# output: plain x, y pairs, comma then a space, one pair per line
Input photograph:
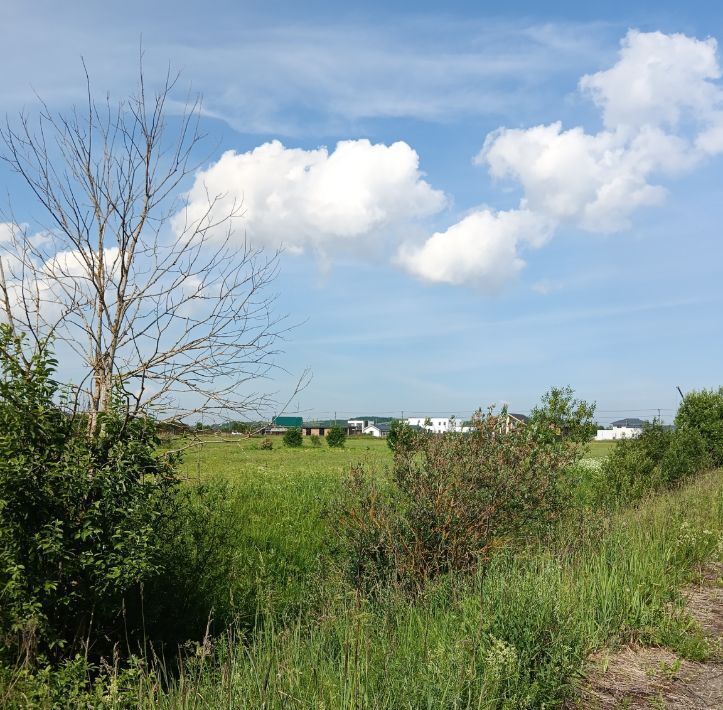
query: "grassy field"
240, 459
275, 514
515, 635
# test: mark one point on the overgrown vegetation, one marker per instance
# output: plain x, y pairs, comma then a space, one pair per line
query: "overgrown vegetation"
293, 437
473, 570
80, 514
336, 438
660, 457
455, 499
401, 435
703, 412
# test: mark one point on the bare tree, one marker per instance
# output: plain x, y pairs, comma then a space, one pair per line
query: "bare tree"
173, 312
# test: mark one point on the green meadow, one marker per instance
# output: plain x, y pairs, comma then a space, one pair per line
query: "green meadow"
515, 635
288, 629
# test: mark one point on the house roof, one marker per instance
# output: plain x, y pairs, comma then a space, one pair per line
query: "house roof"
370, 418
287, 421
382, 426
633, 422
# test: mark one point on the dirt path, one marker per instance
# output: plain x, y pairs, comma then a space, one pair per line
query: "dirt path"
638, 677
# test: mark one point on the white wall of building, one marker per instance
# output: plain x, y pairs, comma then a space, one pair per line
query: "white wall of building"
618, 432
437, 425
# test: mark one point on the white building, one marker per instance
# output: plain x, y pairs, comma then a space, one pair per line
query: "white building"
438, 425
629, 428
380, 430
358, 425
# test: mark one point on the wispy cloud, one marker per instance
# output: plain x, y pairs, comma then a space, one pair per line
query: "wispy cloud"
301, 78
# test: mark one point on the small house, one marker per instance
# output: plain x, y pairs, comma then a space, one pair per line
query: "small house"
378, 430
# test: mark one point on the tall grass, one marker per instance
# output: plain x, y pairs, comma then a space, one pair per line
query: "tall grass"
514, 636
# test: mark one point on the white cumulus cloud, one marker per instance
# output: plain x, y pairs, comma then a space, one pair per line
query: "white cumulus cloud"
592, 180
662, 114
315, 198
480, 250
659, 79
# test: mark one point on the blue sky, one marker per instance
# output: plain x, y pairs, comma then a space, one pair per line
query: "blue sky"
492, 268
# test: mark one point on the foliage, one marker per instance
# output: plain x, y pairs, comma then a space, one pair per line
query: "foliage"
401, 435
336, 438
80, 514
78, 683
686, 455
703, 411
315, 440
455, 499
516, 635
266, 444
654, 440
293, 437
561, 417
659, 457
236, 427
628, 473
200, 586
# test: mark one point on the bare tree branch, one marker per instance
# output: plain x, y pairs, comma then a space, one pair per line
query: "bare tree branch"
173, 311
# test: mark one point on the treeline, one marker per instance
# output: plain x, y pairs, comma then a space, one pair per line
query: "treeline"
176, 428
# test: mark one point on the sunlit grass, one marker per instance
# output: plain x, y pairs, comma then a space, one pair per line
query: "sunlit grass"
515, 636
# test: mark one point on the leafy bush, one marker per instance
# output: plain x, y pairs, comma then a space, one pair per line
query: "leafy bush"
401, 436
315, 440
659, 457
627, 473
79, 514
655, 440
560, 417
198, 589
266, 444
293, 437
454, 499
336, 438
686, 455
703, 411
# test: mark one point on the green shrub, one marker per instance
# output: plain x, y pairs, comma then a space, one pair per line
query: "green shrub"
655, 440
627, 473
293, 437
659, 457
686, 455
79, 514
198, 589
561, 417
315, 440
336, 438
402, 436
266, 444
703, 411
455, 499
